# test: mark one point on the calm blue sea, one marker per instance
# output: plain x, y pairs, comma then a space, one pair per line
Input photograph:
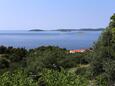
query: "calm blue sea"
29, 39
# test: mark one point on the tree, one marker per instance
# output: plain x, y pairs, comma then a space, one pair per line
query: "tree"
45, 57
103, 58
3, 49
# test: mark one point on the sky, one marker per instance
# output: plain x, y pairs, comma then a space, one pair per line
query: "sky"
55, 14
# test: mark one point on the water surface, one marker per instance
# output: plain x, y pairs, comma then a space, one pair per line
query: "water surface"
30, 39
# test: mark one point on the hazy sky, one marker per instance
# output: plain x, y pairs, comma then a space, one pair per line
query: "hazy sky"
55, 14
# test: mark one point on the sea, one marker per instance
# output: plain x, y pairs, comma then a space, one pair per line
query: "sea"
33, 39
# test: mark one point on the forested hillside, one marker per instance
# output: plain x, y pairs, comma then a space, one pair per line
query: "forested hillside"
54, 66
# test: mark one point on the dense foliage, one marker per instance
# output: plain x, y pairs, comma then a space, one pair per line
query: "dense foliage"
53, 58
103, 57
54, 66
45, 57
63, 78
40, 66
12, 58
16, 78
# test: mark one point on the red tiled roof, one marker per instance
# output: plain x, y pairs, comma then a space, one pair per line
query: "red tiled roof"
77, 51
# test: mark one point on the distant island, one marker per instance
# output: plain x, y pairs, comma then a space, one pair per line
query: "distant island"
36, 30
84, 29
69, 30
90, 29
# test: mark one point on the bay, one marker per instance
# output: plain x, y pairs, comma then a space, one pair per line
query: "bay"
30, 39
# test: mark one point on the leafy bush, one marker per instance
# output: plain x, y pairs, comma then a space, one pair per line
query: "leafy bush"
81, 71
16, 78
63, 78
101, 80
4, 63
45, 57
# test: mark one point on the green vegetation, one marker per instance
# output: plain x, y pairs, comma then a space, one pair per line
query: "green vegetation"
54, 66
103, 57
63, 78
16, 78
43, 66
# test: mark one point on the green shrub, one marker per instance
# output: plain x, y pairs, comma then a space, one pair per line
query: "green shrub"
45, 57
101, 80
103, 56
16, 78
81, 71
63, 78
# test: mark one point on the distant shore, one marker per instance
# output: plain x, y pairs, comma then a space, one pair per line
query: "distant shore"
69, 30
36, 30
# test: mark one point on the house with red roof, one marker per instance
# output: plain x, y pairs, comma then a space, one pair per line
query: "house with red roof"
77, 51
